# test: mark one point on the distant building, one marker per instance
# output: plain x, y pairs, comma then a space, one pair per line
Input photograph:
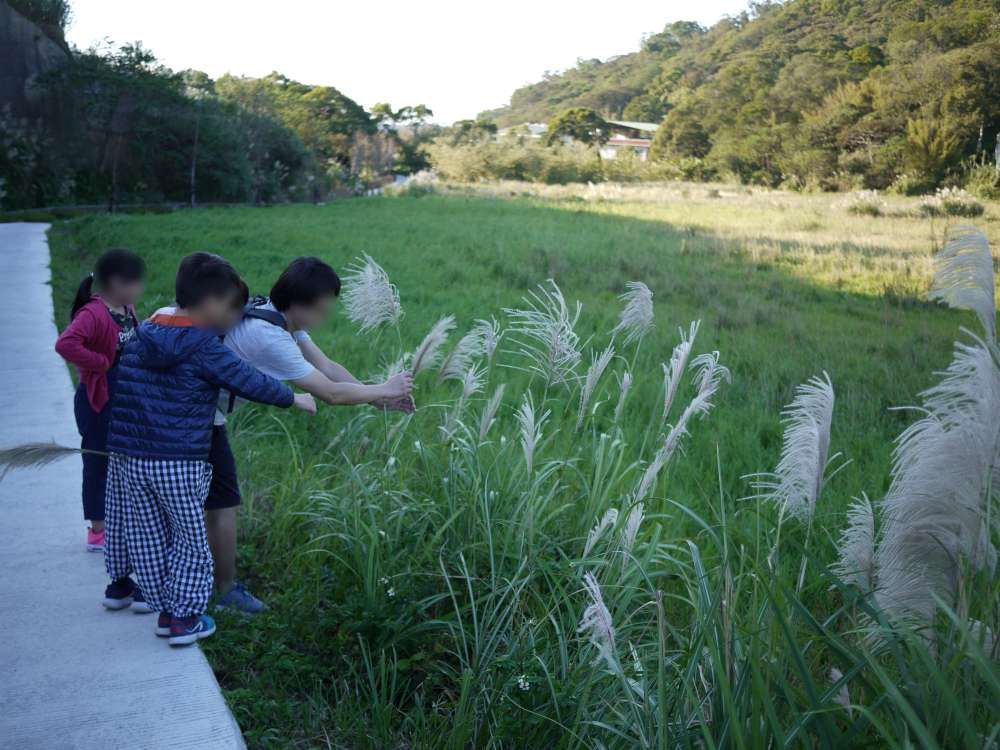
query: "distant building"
534, 130
628, 135
623, 135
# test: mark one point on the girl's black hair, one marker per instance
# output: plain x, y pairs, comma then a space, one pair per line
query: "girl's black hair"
117, 263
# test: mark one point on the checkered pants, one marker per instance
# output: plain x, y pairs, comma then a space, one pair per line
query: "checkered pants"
160, 507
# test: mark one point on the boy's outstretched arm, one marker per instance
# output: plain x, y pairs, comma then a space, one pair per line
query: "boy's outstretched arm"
221, 367
337, 373
349, 394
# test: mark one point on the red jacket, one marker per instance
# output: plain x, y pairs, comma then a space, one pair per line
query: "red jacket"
90, 342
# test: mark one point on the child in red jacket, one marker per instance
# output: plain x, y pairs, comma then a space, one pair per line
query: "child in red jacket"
101, 323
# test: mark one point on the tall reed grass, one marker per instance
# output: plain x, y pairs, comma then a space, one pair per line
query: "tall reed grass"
525, 577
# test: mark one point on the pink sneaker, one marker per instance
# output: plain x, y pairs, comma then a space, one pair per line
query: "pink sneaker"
95, 540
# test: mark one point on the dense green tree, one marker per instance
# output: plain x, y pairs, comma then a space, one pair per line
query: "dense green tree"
819, 93
580, 124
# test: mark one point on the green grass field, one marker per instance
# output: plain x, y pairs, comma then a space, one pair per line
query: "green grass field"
417, 584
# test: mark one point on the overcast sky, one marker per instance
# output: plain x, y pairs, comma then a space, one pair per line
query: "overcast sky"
458, 57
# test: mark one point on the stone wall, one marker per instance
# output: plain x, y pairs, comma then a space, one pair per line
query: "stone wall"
25, 53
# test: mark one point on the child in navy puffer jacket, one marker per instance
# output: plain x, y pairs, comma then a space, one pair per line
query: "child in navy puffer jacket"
168, 385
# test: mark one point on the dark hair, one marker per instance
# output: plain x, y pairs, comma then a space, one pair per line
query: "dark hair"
203, 275
116, 263
304, 281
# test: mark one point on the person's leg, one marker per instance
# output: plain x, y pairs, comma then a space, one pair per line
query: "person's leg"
221, 526
182, 487
147, 530
93, 428
221, 521
116, 559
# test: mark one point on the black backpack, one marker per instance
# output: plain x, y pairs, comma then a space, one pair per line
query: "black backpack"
255, 309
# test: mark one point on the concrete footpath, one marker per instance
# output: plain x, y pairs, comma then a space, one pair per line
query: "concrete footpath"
73, 675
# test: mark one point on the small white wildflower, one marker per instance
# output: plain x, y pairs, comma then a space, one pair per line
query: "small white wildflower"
391, 462
523, 684
391, 592
384, 580
416, 446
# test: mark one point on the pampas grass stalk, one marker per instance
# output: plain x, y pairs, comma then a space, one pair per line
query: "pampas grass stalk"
456, 363
856, 548
674, 371
637, 317
709, 376
490, 411
624, 386
37, 456
608, 520
796, 483
370, 299
946, 466
426, 355
630, 533
599, 363
597, 625
531, 430
546, 336
964, 276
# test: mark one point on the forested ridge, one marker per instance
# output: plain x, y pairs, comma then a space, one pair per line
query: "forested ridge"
114, 125
811, 93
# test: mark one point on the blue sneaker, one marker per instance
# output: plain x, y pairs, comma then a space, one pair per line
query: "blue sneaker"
139, 604
238, 599
186, 630
163, 624
120, 594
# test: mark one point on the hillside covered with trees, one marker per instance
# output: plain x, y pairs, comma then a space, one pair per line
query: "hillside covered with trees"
832, 94
112, 125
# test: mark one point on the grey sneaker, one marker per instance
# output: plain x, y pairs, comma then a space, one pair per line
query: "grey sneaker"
238, 599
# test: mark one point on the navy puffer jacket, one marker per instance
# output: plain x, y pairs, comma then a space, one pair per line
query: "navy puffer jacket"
168, 385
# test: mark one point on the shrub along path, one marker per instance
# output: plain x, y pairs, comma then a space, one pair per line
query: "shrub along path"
74, 675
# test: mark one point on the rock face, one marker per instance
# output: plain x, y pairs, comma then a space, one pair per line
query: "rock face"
25, 53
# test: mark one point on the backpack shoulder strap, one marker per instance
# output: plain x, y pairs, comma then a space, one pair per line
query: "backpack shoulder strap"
254, 309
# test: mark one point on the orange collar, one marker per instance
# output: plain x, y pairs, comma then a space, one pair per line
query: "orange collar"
168, 319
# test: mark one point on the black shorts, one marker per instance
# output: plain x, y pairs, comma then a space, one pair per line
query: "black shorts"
224, 491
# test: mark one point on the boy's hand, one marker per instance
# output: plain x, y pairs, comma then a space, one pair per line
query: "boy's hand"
305, 402
404, 404
398, 386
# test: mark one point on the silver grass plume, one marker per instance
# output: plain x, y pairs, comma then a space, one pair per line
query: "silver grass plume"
637, 316
944, 479
843, 696
708, 377
456, 362
472, 383
599, 363
546, 334
797, 481
490, 411
598, 626
608, 520
36, 456
964, 276
630, 533
370, 299
624, 386
426, 355
856, 549
531, 430
489, 333
674, 372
